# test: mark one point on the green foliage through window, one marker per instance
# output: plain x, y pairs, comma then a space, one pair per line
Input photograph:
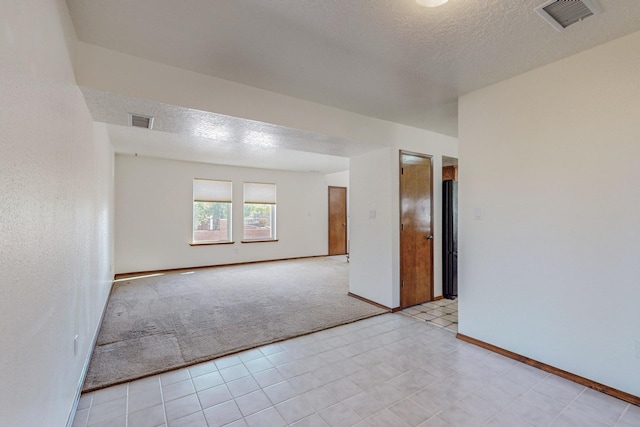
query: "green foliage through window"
211, 221
259, 221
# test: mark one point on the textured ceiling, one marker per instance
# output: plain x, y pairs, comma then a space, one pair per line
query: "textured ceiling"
390, 59
166, 145
188, 134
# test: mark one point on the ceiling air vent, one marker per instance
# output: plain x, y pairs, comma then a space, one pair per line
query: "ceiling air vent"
562, 13
140, 121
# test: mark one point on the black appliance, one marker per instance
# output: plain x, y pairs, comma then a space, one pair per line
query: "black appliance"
450, 239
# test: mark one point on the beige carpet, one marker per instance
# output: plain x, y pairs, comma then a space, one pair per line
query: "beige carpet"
155, 324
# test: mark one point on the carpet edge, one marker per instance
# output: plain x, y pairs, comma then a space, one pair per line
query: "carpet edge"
229, 353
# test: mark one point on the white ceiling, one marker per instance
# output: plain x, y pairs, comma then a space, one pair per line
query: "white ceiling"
390, 59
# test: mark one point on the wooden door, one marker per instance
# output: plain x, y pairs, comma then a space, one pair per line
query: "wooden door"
337, 220
416, 232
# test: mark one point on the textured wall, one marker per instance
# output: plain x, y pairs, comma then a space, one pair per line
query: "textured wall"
370, 205
551, 269
55, 218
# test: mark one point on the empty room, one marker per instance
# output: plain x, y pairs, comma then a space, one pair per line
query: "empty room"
239, 213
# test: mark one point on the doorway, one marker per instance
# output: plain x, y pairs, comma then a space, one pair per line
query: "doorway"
337, 220
416, 229
449, 227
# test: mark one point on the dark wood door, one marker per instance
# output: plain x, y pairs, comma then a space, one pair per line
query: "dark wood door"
416, 232
337, 220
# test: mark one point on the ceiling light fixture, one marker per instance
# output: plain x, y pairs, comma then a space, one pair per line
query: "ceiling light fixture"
431, 3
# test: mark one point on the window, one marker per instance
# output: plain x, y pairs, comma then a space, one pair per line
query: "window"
211, 211
259, 211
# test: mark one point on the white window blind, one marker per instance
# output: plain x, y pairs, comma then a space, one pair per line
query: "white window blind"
260, 193
205, 190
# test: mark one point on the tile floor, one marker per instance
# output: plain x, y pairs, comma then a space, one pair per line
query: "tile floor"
442, 313
389, 370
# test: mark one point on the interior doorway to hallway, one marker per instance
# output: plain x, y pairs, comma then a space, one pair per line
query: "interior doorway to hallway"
443, 312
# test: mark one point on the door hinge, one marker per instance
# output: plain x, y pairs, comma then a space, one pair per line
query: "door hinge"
402, 171
402, 284
401, 227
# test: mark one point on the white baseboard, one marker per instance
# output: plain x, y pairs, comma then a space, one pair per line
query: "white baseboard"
85, 368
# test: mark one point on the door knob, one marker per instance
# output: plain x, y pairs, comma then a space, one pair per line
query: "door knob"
429, 237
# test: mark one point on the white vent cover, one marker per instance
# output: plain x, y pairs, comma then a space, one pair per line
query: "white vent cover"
562, 13
140, 121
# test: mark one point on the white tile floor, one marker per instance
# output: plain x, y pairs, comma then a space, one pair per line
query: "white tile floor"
389, 370
442, 313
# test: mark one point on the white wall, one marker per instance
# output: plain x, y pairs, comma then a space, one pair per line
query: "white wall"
371, 247
338, 179
551, 158
154, 204
55, 217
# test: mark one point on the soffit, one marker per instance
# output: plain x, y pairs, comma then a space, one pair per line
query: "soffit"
193, 135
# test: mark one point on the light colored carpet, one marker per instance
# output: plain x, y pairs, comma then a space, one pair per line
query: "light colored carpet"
155, 324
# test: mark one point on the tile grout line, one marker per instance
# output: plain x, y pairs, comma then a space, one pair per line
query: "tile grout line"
164, 408
126, 407
569, 404
527, 391
244, 418
623, 414
89, 411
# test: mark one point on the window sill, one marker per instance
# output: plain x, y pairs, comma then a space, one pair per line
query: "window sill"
259, 241
209, 243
